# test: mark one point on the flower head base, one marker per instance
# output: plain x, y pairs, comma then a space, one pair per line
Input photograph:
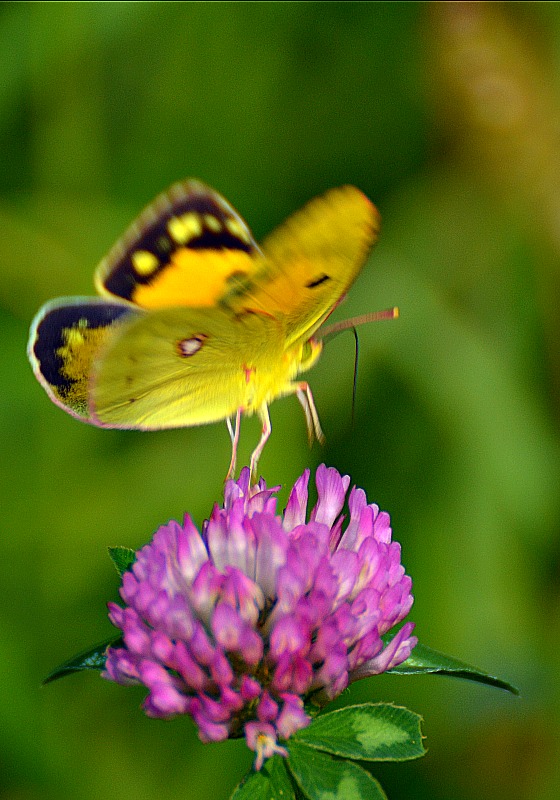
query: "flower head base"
241, 623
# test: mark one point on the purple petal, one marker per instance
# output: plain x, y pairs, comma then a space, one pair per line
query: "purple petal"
271, 552
397, 651
292, 718
261, 737
267, 709
243, 594
332, 488
289, 635
296, 508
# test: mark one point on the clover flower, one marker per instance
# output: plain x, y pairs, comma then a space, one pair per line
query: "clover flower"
245, 623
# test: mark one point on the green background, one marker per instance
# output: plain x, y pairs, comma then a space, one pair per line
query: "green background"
447, 115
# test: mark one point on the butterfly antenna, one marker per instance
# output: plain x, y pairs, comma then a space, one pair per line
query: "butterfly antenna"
330, 331
355, 382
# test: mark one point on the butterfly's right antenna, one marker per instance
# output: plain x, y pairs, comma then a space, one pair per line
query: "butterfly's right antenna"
355, 381
351, 324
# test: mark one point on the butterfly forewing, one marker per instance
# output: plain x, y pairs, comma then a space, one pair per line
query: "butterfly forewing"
187, 248
311, 260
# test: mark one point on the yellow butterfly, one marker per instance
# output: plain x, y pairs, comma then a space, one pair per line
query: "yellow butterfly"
196, 322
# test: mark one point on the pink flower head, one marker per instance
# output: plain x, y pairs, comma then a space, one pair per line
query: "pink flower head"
241, 624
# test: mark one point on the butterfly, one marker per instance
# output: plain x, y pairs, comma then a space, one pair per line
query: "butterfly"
197, 323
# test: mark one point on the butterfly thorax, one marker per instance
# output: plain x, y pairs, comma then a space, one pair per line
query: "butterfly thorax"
267, 378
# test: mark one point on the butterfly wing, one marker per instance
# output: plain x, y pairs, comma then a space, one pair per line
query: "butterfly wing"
65, 339
199, 323
171, 368
187, 248
311, 261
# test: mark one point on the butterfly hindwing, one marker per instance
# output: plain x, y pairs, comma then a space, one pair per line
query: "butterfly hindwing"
178, 367
187, 248
66, 338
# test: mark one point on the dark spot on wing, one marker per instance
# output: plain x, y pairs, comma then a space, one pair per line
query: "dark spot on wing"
317, 281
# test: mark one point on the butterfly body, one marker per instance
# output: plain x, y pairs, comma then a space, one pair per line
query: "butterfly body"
196, 322
157, 372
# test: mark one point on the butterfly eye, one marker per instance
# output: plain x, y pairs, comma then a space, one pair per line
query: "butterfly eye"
188, 347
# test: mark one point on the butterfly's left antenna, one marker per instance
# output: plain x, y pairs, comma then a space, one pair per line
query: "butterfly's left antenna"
374, 316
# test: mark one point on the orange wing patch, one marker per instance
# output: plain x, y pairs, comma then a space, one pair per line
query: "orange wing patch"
193, 278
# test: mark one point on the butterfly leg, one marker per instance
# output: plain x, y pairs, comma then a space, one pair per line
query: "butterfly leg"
266, 429
303, 392
234, 436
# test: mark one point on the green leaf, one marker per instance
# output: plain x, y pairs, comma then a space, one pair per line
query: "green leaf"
271, 783
322, 777
92, 659
424, 659
368, 732
123, 558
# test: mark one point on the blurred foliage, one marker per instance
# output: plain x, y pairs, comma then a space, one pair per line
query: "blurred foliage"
448, 116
